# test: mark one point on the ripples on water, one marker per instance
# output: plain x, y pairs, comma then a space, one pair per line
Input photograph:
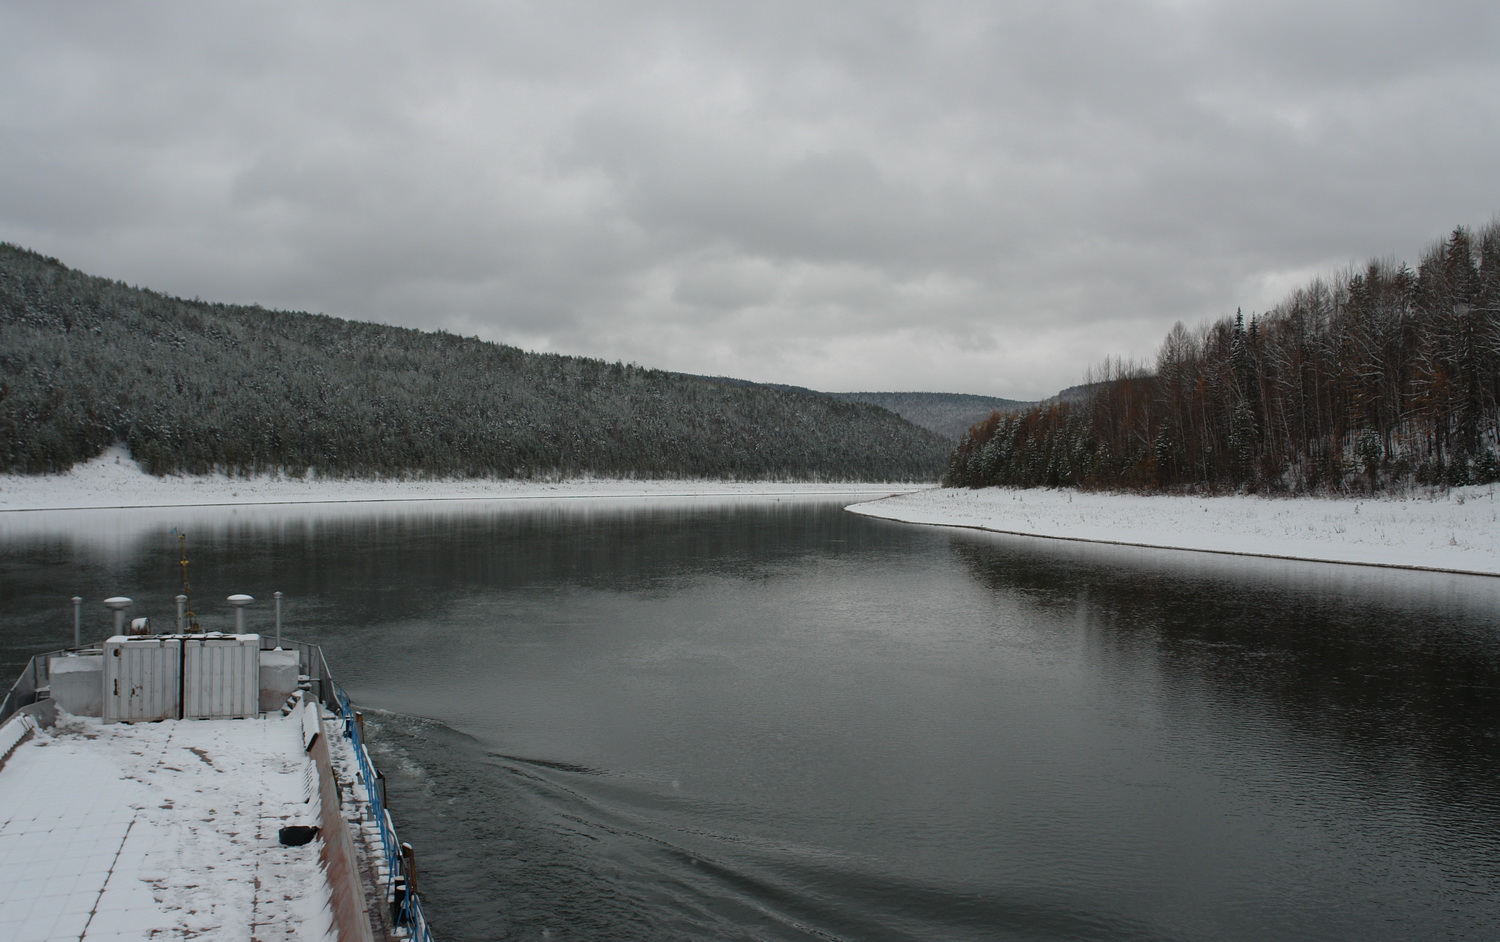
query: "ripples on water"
756, 719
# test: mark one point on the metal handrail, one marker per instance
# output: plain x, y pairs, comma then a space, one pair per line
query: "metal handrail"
409, 914
23, 693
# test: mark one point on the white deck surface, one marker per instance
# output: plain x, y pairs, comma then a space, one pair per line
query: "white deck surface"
159, 831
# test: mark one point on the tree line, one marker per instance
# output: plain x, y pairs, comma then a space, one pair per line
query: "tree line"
196, 387
1381, 378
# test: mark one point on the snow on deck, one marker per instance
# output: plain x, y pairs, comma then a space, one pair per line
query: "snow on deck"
159, 831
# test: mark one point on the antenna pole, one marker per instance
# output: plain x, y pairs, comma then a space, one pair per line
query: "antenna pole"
186, 609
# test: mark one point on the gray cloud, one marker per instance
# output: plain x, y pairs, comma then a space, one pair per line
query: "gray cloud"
876, 195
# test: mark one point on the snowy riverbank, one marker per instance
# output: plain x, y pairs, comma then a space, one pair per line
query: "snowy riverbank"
1457, 531
115, 480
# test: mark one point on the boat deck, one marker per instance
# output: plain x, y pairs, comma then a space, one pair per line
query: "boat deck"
162, 830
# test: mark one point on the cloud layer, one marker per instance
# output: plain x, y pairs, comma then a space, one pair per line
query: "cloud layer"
962, 196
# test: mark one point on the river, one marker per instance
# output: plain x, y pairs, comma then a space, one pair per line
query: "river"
745, 718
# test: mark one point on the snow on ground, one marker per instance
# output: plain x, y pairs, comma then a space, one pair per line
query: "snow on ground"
158, 830
1456, 531
116, 480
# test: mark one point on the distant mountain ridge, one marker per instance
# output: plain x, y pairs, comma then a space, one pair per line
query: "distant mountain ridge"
196, 387
948, 414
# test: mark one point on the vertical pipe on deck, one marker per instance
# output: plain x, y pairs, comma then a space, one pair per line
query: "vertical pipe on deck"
118, 603
239, 602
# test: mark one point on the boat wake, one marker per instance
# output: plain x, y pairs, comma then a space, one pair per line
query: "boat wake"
535, 847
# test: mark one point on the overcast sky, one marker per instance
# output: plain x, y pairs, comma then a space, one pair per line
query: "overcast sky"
980, 197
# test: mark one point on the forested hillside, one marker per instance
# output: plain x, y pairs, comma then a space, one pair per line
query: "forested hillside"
948, 414
1385, 377
196, 387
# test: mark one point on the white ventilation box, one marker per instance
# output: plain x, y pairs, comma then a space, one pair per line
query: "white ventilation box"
212, 676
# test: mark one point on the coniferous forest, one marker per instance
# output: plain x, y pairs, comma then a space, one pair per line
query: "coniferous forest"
196, 387
1380, 379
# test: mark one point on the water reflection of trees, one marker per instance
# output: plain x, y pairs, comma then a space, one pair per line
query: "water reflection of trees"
1402, 678
347, 572
376, 567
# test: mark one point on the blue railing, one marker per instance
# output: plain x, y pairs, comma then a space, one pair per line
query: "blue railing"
399, 884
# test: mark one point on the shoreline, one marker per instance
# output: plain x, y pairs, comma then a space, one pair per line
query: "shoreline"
114, 481
562, 490
1457, 533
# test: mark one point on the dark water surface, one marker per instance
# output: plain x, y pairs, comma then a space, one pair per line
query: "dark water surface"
761, 719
